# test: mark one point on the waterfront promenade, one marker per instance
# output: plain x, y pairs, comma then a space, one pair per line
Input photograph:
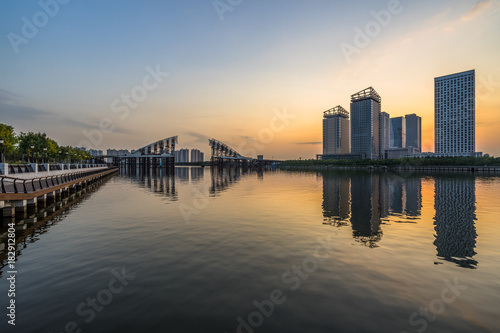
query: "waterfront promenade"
23, 189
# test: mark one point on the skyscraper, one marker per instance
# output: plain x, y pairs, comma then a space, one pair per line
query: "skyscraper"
365, 123
454, 106
398, 132
336, 131
385, 132
413, 131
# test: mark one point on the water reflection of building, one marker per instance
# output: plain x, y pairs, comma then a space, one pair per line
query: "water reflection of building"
455, 205
336, 199
365, 208
197, 174
182, 173
160, 181
401, 196
413, 201
364, 198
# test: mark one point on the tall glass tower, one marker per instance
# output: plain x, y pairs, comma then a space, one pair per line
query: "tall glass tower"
365, 123
336, 131
454, 116
414, 131
398, 132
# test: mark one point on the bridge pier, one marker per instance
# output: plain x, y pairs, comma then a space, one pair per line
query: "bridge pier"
32, 202
19, 206
7, 210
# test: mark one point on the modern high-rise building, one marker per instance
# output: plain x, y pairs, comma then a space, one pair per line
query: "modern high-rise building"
398, 132
413, 131
196, 156
181, 156
117, 152
385, 132
454, 117
336, 131
365, 123
95, 153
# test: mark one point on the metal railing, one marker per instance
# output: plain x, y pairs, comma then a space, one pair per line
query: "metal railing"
18, 185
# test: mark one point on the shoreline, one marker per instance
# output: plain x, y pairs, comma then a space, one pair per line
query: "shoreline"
491, 170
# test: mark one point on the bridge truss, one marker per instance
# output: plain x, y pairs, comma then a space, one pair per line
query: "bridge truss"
159, 154
165, 146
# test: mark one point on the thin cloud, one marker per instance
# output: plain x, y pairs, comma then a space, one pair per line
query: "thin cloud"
248, 138
11, 112
9, 97
309, 143
83, 125
198, 137
475, 11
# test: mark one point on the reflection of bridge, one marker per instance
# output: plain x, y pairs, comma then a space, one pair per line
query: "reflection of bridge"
223, 155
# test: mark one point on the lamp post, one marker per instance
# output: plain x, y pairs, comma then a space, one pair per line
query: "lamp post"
67, 153
1, 152
45, 160
32, 155
59, 156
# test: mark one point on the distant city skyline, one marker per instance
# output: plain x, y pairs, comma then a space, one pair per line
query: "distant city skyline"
160, 69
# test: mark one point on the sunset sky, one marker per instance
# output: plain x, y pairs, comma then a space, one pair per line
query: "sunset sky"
231, 68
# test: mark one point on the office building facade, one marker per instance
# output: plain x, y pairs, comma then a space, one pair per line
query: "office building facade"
365, 123
398, 132
336, 131
196, 156
117, 152
181, 156
385, 132
414, 131
454, 116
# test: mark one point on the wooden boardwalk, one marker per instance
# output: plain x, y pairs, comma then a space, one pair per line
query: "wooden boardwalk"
12, 188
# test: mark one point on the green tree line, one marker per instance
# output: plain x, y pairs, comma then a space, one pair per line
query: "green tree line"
36, 148
408, 161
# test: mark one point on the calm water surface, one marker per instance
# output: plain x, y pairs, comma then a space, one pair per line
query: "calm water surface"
204, 251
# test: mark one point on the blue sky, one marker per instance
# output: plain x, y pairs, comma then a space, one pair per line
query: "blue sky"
228, 77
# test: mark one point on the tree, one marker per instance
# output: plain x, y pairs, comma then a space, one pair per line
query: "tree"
9, 138
43, 146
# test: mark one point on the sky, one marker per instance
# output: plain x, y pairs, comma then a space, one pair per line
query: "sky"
254, 74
